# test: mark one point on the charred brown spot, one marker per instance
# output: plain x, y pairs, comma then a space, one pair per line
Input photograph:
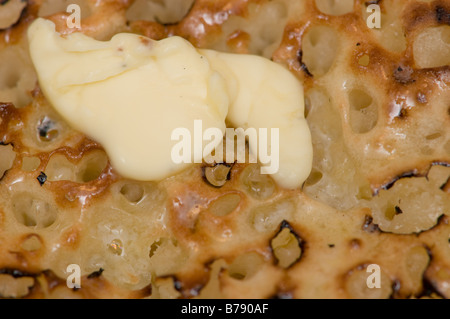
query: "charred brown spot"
187, 289
403, 75
429, 289
96, 274
442, 15
280, 244
395, 179
403, 113
42, 178
47, 129
17, 273
218, 174
285, 224
369, 226
190, 285
303, 66
177, 284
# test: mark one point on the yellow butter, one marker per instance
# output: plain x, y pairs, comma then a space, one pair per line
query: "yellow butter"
131, 92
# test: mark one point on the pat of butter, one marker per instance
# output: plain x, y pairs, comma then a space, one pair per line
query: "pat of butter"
131, 92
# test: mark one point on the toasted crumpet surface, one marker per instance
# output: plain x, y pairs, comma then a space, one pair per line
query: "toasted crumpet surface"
378, 107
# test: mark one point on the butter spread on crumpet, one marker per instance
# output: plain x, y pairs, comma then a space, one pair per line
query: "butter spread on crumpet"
131, 92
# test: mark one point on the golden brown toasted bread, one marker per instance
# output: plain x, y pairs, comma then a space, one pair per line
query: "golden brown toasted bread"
378, 107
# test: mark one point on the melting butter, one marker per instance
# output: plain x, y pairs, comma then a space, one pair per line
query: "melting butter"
131, 92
